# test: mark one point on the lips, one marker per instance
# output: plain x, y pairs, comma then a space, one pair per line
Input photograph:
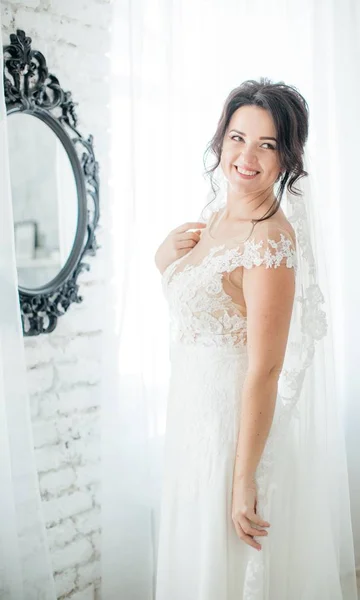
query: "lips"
243, 168
244, 176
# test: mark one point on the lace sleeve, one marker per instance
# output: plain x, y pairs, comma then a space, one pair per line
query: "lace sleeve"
270, 246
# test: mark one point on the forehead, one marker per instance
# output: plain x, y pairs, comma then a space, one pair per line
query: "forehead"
253, 120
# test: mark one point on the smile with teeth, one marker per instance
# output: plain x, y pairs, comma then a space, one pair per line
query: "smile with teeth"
245, 172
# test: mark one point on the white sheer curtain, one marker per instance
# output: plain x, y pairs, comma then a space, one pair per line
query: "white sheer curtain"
25, 571
173, 65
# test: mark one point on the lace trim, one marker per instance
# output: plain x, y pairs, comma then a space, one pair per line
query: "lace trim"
250, 257
201, 312
282, 249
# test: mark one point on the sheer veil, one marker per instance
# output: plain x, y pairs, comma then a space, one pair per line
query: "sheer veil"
307, 434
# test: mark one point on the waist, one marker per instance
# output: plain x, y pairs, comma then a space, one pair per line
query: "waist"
206, 346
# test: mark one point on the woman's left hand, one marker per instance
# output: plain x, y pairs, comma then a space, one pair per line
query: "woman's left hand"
245, 519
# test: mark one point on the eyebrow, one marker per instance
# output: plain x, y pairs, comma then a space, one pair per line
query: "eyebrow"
262, 138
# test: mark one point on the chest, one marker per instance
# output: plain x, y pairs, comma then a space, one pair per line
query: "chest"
206, 279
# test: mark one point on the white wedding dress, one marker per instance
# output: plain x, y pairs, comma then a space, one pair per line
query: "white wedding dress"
200, 556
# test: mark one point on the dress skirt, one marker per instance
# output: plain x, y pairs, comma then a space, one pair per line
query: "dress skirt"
200, 556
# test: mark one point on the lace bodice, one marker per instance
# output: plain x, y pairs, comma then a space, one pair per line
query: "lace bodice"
205, 299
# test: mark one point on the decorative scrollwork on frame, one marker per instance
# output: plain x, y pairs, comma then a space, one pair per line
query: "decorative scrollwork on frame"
30, 88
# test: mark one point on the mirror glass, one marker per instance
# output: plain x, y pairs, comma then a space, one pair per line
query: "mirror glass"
44, 197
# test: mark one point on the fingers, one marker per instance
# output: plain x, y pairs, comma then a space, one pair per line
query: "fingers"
192, 235
246, 538
249, 530
188, 240
189, 225
184, 244
252, 516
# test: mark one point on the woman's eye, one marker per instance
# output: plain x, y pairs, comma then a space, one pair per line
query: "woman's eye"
238, 137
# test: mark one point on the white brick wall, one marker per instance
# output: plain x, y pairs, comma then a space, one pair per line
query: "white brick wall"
64, 367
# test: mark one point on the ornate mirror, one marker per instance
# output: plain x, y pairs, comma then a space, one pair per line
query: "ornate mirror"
54, 185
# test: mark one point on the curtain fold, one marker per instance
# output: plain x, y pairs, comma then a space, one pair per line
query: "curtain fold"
25, 570
173, 64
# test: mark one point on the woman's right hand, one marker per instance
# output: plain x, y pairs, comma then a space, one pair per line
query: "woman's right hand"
177, 244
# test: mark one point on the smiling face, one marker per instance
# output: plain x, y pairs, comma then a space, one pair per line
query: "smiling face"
250, 145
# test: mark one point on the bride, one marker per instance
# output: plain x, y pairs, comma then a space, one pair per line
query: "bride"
252, 508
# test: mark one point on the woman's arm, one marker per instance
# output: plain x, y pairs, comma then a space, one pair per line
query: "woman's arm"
269, 296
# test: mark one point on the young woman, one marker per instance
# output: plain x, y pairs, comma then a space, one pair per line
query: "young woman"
230, 500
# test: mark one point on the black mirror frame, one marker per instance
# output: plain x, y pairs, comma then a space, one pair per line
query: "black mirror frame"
31, 89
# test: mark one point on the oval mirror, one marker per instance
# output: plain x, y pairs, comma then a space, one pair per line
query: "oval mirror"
44, 196
55, 187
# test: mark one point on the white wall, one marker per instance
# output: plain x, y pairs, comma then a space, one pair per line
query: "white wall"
64, 367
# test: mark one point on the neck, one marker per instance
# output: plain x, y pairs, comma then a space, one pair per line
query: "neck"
247, 206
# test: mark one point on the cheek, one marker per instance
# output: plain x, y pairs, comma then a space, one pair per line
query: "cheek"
227, 156
225, 159
273, 164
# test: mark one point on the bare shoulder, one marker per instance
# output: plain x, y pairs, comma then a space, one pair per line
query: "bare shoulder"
279, 222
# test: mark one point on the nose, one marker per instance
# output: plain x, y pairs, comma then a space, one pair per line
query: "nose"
248, 152
248, 156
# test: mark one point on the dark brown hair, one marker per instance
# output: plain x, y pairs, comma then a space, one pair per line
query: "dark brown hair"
290, 113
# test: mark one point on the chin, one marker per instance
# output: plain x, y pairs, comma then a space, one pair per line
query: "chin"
243, 184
